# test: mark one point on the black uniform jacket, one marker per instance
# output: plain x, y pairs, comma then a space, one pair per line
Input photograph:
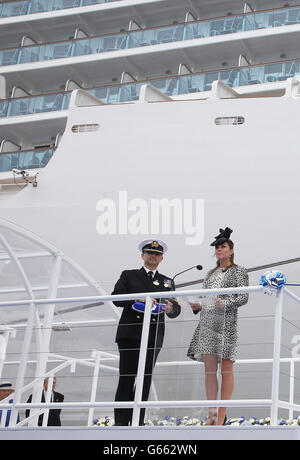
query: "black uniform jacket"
131, 321
54, 414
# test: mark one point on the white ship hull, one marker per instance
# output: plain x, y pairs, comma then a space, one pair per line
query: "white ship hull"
246, 174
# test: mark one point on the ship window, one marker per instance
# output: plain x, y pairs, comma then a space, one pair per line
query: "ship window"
229, 120
85, 128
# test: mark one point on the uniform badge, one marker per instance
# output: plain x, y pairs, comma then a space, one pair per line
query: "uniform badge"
168, 283
156, 283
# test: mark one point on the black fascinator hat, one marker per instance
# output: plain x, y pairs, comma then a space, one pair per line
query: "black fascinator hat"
223, 236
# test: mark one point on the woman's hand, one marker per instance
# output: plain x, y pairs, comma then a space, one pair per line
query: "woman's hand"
218, 302
195, 306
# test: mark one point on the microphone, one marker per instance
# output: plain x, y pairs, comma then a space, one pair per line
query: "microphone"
199, 267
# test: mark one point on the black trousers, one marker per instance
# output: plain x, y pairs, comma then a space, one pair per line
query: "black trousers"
128, 365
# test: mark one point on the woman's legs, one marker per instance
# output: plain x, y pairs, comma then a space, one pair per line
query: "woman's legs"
227, 386
211, 385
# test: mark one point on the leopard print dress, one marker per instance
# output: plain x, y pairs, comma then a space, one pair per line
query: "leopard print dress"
217, 332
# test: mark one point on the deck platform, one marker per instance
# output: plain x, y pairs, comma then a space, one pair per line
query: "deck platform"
170, 434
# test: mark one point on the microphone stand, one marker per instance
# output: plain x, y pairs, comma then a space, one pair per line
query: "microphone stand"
199, 267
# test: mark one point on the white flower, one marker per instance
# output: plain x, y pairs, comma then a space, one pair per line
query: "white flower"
104, 421
149, 423
235, 420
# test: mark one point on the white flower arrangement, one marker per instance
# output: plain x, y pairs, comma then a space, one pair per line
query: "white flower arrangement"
103, 422
175, 421
261, 422
187, 421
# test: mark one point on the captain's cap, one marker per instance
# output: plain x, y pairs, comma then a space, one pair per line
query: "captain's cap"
156, 246
6, 386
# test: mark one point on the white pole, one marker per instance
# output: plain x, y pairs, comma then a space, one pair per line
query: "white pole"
23, 363
276, 357
4, 336
292, 385
45, 332
142, 362
48, 399
48, 317
94, 386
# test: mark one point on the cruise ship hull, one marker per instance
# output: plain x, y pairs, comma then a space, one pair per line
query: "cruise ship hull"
96, 198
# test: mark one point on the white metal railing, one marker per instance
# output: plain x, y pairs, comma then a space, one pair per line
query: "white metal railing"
274, 403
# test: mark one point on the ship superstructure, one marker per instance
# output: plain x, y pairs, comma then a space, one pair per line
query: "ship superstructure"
110, 49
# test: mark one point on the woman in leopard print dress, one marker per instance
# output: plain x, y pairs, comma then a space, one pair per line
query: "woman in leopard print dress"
216, 336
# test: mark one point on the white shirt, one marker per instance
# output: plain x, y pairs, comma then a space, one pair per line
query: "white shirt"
51, 397
148, 270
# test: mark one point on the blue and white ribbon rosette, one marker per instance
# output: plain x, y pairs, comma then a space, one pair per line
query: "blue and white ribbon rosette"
156, 309
273, 279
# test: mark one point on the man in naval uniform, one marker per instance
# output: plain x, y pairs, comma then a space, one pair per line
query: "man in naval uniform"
128, 338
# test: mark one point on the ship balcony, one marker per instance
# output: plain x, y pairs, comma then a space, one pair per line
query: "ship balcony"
264, 35
45, 19
179, 85
25, 159
26, 126
13, 10
27, 7
13, 162
23, 135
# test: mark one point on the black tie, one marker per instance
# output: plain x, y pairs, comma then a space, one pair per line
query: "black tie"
150, 274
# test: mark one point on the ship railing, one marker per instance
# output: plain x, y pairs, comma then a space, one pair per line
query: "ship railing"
159, 35
25, 159
274, 403
96, 361
20, 8
271, 72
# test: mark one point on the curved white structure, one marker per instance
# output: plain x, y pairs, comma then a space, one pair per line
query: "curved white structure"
33, 269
